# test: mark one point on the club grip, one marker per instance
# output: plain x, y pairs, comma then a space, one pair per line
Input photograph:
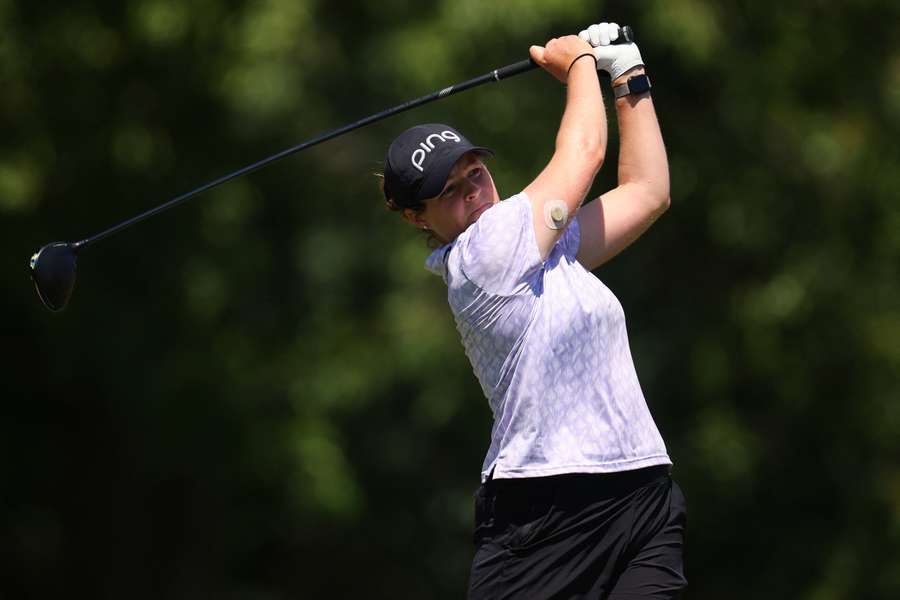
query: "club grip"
626, 35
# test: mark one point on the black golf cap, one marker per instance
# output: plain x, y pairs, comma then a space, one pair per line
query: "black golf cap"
420, 160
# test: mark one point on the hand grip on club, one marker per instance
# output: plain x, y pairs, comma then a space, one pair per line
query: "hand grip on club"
626, 36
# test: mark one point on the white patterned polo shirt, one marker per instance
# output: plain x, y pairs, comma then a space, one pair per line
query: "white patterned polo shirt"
548, 343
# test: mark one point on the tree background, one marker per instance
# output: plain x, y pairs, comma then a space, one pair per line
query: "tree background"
261, 394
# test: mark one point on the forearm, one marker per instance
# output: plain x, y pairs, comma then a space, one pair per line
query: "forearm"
580, 142
642, 154
583, 130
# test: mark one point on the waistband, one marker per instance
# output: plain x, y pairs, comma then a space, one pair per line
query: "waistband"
602, 484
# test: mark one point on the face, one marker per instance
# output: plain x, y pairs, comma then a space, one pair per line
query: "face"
468, 192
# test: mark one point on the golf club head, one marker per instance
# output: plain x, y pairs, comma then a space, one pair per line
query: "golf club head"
53, 274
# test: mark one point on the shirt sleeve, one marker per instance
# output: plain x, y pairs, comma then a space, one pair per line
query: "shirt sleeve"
499, 252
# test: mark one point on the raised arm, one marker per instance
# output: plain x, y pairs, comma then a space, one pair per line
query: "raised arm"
620, 216
580, 143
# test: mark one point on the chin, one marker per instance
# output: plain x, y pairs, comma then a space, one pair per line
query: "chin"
481, 211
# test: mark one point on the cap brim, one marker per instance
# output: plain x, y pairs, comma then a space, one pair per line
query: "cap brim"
437, 175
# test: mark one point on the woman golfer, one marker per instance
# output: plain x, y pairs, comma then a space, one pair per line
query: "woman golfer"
576, 499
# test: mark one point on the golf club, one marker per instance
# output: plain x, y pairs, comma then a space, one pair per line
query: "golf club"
53, 266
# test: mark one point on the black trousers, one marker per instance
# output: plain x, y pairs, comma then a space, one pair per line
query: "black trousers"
613, 536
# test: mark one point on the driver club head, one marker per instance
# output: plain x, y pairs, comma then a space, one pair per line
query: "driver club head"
53, 273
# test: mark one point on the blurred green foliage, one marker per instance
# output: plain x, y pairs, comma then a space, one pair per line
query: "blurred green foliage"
262, 394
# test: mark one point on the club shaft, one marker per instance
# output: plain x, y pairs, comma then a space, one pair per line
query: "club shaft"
495, 75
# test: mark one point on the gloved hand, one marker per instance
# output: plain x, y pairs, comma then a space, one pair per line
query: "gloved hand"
615, 59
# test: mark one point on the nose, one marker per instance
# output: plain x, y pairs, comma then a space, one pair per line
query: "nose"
471, 192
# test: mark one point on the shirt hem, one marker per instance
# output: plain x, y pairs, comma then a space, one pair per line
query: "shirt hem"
613, 467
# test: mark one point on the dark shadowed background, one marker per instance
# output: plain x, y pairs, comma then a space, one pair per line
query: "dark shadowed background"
261, 394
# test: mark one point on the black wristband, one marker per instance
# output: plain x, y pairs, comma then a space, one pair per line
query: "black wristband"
591, 54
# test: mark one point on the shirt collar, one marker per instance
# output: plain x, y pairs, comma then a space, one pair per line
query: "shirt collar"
437, 261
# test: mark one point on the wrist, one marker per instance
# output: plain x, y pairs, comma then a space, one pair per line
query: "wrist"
623, 78
580, 59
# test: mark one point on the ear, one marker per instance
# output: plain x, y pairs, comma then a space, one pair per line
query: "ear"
414, 218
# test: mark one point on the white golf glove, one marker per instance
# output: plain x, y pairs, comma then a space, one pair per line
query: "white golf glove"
615, 59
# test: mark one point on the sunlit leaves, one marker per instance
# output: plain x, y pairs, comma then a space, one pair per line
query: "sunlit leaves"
160, 22
19, 184
691, 28
271, 46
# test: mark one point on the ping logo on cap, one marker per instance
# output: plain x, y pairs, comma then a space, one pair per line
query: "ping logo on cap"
418, 157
